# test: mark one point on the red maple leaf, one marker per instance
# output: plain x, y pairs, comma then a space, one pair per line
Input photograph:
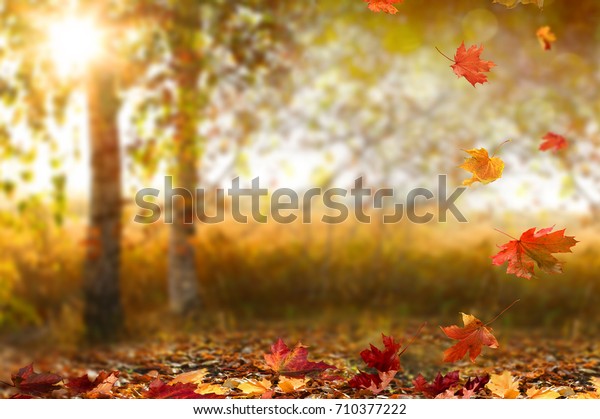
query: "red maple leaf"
158, 389
534, 248
28, 381
553, 142
376, 383
467, 64
292, 362
23, 396
475, 385
386, 6
438, 385
100, 387
470, 338
384, 360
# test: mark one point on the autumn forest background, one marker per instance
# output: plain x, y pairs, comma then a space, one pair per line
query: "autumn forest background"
101, 99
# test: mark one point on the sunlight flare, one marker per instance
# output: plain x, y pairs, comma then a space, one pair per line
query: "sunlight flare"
73, 43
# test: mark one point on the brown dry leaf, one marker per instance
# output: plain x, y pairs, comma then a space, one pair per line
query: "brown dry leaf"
289, 385
255, 387
504, 385
542, 393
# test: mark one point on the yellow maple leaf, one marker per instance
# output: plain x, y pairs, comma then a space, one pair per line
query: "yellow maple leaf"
483, 168
504, 385
289, 385
512, 3
255, 387
194, 377
542, 393
208, 388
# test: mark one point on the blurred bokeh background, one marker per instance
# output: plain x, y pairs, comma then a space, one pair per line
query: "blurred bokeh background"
100, 100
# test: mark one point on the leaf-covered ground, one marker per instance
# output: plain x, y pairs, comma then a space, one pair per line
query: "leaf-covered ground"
232, 364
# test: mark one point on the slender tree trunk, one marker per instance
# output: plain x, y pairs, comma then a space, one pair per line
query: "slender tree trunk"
103, 310
184, 298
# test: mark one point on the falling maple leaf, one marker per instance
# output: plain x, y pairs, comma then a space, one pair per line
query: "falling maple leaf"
386, 6
470, 338
512, 3
531, 248
27, 380
542, 393
100, 387
292, 362
553, 142
483, 168
439, 384
504, 385
546, 37
376, 383
467, 64
383, 360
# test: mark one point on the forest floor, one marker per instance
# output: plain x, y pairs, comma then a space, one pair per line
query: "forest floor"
218, 363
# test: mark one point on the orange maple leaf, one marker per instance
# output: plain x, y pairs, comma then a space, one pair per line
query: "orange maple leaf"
467, 64
386, 6
532, 248
546, 37
292, 362
553, 142
470, 338
485, 169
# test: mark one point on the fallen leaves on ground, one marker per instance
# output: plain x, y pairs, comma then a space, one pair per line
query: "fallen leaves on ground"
231, 365
504, 385
439, 384
100, 387
253, 387
542, 393
386, 362
26, 380
292, 362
